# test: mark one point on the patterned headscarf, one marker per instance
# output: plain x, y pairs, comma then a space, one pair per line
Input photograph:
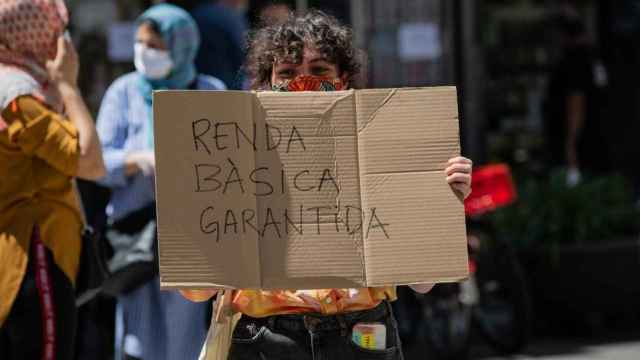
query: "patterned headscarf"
180, 33
29, 30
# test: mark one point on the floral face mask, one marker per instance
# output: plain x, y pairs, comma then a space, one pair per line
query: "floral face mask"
310, 83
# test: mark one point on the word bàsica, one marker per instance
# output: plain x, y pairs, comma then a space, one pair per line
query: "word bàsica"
214, 178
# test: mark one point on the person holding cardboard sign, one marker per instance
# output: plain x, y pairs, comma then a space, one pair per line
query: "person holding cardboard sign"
313, 52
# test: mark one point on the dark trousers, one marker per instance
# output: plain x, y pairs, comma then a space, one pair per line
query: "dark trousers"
312, 337
30, 328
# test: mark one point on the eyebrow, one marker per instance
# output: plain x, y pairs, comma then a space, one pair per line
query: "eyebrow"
312, 61
288, 63
318, 60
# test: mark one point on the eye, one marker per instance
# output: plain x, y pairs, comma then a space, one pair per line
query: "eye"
285, 73
319, 70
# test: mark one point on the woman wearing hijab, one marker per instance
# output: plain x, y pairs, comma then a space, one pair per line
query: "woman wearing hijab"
47, 138
151, 324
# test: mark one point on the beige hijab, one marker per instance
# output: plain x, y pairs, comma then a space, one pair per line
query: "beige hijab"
29, 30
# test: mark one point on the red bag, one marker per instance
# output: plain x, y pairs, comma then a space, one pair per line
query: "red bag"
492, 187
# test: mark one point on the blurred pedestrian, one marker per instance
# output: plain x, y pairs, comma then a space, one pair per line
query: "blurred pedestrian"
274, 13
151, 324
314, 52
575, 129
223, 26
47, 137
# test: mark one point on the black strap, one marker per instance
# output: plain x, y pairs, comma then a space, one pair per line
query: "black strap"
136, 220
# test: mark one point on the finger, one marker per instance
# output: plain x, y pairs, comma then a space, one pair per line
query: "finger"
459, 159
459, 178
463, 189
60, 50
151, 159
62, 47
198, 295
422, 288
459, 168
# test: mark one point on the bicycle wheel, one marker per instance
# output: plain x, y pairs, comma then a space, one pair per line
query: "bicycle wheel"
503, 311
447, 322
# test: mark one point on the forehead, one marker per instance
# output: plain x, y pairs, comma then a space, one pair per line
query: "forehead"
146, 29
309, 53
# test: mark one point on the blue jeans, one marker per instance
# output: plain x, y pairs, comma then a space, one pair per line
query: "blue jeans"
312, 337
159, 325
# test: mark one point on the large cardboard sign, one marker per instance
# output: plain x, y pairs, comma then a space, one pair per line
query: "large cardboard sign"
307, 189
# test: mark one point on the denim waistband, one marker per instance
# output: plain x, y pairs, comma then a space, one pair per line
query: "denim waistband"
320, 322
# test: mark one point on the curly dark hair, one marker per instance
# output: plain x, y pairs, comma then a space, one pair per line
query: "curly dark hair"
286, 42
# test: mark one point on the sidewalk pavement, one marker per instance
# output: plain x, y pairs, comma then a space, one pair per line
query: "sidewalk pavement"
627, 349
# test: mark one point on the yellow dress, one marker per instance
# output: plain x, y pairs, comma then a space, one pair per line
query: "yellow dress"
39, 154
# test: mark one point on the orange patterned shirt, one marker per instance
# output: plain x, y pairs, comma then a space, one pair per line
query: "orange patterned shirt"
262, 303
